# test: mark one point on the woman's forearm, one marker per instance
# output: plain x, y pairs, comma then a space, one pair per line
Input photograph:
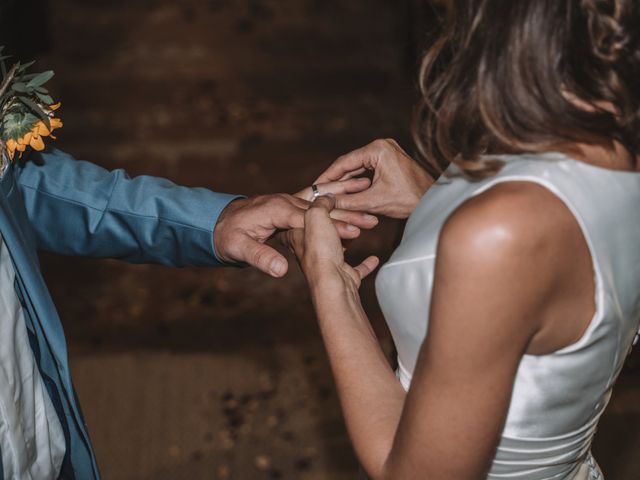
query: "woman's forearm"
371, 396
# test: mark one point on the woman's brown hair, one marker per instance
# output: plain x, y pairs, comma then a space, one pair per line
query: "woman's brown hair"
515, 76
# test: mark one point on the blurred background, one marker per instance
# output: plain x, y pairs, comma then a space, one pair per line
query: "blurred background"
220, 374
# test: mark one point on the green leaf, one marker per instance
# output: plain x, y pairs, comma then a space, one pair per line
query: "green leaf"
33, 106
21, 88
17, 125
3, 65
46, 99
41, 79
30, 119
42, 90
22, 68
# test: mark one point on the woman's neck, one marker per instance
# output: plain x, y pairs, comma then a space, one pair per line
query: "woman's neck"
612, 157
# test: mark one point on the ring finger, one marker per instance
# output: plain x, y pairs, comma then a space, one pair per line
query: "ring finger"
353, 185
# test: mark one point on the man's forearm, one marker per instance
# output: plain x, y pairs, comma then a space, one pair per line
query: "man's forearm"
78, 208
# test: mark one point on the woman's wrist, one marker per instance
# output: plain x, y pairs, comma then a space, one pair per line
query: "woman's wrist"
338, 305
325, 278
330, 281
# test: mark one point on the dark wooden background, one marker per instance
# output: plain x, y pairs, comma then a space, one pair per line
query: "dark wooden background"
220, 374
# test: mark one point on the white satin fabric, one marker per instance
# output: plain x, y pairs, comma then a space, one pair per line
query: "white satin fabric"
557, 398
32, 443
589, 470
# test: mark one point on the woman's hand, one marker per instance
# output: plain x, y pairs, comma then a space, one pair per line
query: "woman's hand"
399, 182
345, 219
346, 186
319, 248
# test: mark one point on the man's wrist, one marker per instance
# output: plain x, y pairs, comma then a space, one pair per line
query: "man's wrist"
219, 237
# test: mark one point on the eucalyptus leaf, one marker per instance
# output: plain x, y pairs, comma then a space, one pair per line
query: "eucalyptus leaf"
22, 68
46, 99
41, 79
20, 87
33, 106
42, 90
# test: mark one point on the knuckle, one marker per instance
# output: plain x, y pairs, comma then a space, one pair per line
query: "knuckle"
284, 200
259, 256
322, 202
388, 145
260, 200
273, 202
381, 143
313, 212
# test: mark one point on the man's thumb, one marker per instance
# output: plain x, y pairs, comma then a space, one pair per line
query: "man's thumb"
264, 258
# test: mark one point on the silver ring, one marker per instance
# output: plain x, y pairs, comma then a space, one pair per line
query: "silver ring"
315, 192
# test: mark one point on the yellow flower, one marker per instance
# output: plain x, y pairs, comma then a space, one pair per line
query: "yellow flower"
35, 137
25, 140
40, 128
36, 142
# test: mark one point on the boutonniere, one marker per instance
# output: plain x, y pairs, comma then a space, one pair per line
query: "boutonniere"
26, 110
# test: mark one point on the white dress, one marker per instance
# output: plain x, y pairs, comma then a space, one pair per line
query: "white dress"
557, 398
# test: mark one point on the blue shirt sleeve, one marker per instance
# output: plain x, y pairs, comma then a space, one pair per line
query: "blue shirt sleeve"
78, 208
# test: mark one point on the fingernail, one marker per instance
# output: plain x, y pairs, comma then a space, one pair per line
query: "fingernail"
371, 218
352, 228
277, 266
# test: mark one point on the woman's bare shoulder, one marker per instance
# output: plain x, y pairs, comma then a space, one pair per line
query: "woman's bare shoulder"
509, 219
520, 243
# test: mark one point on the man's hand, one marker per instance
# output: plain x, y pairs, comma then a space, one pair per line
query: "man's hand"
320, 251
398, 181
246, 224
